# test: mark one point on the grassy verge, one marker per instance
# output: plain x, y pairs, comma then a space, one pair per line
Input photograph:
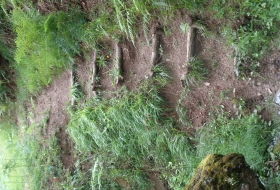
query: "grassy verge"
131, 135
245, 134
45, 45
11, 175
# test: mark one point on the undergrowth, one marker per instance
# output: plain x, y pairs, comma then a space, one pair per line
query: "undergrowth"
45, 45
130, 136
245, 134
133, 134
197, 72
251, 29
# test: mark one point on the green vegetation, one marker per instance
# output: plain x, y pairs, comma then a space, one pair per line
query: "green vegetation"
11, 175
130, 136
45, 45
245, 134
77, 92
251, 29
121, 141
131, 133
197, 72
162, 74
42, 157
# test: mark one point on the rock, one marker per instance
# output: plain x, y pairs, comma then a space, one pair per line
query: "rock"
230, 172
276, 149
207, 84
277, 97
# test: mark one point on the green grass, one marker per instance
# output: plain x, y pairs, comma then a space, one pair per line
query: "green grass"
133, 134
246, 134
251, 29
197, 72
130, 134
45, 45
11, 175
77, 92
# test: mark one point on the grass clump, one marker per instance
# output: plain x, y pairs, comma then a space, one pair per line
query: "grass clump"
127, 15
77, 92
131, 135
162, 74
43, 161
247, 134
197, 72
45, 45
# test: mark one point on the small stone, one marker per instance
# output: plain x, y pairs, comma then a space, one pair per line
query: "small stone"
183, 76
277, 97
266, 86
207, 84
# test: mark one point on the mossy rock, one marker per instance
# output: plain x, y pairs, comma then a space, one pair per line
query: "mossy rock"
229, 172
276, 149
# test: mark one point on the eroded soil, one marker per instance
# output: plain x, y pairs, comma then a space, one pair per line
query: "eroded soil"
222, 87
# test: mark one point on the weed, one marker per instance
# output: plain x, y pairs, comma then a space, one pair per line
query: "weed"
126, 19
100, 28
184, 27
77, 92
115, 74
127, 15
162, 74
197, 72
102, 61
182, 111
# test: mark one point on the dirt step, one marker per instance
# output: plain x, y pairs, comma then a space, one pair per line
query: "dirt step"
118, 63
92, 90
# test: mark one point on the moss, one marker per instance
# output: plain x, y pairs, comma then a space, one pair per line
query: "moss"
276, 149
222, 172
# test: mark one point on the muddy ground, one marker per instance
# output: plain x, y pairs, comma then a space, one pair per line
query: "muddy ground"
220, 89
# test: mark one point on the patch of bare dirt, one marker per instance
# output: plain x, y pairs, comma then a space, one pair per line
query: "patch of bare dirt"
51, 106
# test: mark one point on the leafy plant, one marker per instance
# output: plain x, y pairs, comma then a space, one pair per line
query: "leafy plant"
184, 27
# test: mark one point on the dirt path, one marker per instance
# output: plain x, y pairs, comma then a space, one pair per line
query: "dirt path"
222, 88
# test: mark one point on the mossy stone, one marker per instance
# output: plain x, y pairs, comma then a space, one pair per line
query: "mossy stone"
276, 149
230, 172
